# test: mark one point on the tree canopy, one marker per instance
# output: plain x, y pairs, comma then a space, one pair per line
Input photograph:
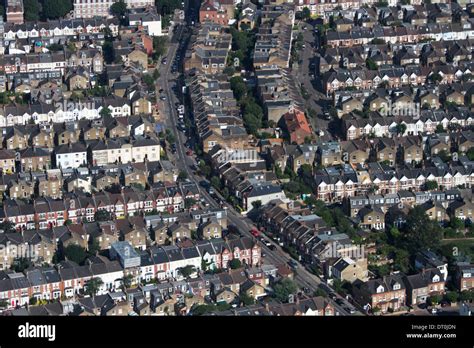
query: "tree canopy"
419, 231
75, 253
53, 9
32, 10
284, 288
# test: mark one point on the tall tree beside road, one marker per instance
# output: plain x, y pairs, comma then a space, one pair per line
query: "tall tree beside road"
159, 46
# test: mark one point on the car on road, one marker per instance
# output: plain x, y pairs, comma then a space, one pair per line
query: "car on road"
204, 183
332, 296
267, 243
339, 301
293, 264
189, 152
164, 61
349, 310
163, 98
254, 232
272, 247
210, 190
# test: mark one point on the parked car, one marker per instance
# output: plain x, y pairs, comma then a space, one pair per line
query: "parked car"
350, 310
255, 232
293, 264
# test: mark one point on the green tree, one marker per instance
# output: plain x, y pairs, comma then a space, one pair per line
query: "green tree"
306, 13
419, 231
32, 10
246, 299
435, 77
75, 253
127, 281
186, 271
470, 154
235, 263
444, 155
182, 175
238, 86
119, 10
431, 185
94, 246
257, 205
159, 46
401, 128
108, 52
435, 299
92, 287
53, 9
7, 227
105, 112
284, 288
189, 202
320, 292
452, 296
216, 182
22, 263
102, 215
371, 65
149, 81
456, 223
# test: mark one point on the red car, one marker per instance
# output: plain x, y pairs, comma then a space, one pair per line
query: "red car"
255, 233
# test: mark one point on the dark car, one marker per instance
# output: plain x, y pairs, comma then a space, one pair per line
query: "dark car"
339, 301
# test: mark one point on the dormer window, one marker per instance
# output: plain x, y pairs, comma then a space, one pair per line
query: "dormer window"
396, 286
380, 289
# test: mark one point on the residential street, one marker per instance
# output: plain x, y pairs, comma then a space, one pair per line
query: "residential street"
183, 162
304, 74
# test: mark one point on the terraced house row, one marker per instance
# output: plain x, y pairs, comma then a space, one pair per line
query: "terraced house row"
163, 263
45, 213
58, 28
334, 184
403, 34
63, 111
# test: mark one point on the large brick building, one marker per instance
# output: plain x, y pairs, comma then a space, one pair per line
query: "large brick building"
212, 11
